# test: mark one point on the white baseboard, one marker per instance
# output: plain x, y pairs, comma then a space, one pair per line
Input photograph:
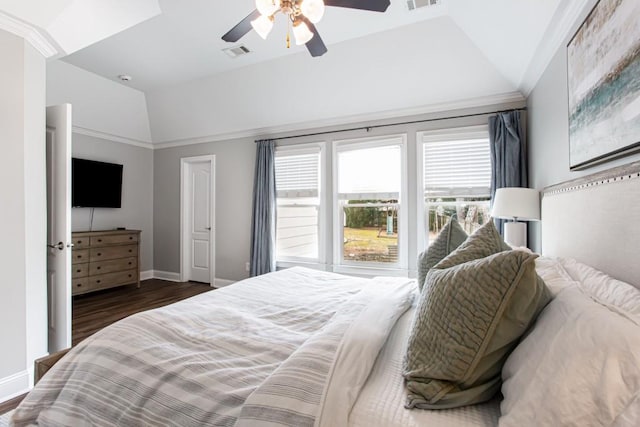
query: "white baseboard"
14, 385
175, 277
221, 283
146, 275
165, 275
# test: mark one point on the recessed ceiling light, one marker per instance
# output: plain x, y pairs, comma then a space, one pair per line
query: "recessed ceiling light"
125, 77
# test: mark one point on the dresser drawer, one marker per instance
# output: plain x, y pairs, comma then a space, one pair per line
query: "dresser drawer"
112, 252
114, 239
103, 267
113, 279
79, 270
80, 286
80, 242
79, 256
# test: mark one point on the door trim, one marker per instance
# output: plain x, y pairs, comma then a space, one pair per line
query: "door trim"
184, 212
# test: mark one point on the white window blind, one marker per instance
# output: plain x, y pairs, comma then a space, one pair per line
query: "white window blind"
370, 173
457, 168
297, 174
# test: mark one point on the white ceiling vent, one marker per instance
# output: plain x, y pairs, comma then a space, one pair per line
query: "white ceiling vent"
416, 4
236, 51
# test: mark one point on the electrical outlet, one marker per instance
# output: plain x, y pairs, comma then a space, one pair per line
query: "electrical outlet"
246, 266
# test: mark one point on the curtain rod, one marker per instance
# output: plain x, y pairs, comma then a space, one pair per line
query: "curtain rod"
368, 128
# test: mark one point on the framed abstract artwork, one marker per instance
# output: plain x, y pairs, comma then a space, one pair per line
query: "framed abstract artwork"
603, 74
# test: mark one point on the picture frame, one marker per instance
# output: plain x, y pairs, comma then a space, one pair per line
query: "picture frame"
603, 79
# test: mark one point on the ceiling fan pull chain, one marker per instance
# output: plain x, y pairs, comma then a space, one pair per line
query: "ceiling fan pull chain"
288, 34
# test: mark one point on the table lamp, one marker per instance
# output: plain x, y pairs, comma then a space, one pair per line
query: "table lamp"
517, 204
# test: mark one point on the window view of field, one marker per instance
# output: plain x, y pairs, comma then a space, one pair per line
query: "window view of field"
371, 231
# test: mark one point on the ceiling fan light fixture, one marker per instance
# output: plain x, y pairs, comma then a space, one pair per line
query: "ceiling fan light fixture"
267, 7
301, 32
263, 25
313, 10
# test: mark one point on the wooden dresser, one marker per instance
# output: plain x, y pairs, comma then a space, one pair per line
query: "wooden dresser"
104, 259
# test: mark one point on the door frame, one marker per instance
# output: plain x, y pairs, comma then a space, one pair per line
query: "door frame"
185, 211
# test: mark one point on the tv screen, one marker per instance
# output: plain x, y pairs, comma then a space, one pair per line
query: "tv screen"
95, 184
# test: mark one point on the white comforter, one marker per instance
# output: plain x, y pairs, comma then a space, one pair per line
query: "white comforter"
288, 348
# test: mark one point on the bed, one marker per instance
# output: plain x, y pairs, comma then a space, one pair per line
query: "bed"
300, 347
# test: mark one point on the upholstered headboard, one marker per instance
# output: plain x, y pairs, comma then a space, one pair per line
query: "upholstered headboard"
596, 220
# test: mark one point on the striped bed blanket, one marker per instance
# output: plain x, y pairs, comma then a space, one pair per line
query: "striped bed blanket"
291, 348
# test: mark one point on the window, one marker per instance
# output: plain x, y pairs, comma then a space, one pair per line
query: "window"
456, 178
369, 187
298, 204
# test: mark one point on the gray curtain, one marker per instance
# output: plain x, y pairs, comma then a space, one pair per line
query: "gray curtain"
508, 153
263, 221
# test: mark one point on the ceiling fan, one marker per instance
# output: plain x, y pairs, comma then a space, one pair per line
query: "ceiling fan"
302, 14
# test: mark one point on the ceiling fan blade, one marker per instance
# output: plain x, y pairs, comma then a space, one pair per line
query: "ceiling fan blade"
373, 5
242, 28
315, 46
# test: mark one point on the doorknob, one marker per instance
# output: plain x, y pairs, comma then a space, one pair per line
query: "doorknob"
208, 228
59, 246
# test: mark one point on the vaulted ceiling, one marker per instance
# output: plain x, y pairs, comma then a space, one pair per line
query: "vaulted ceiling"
183, 42
399, 60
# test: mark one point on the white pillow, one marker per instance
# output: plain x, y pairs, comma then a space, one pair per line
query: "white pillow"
603, 287
579, 366
554, 275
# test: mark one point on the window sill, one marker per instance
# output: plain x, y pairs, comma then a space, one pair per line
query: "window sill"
369, 271
280, 265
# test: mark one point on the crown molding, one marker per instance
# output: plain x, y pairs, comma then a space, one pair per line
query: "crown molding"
385, 115
561, 27
30, 34
111, 137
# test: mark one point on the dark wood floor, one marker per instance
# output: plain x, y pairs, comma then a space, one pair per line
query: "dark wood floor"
94, 311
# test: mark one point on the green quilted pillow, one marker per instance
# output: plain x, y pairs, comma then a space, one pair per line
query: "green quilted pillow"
484, 242
469, 317
451, 236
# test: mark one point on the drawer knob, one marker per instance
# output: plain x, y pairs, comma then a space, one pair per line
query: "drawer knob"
99, 254
79, 256
98, 268
130, 237
99, 240
97, 281
130, 263
130, 250
78, 271
129, 275
79, 285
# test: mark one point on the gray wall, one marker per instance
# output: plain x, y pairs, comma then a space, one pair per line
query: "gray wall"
548, 133
234, 186
137, 191
23, 292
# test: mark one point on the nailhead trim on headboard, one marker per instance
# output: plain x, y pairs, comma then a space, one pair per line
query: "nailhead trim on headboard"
610, 176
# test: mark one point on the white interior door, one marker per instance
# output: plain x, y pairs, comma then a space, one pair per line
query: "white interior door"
198, 186
59, 225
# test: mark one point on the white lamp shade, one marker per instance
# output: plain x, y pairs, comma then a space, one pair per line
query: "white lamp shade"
262, 25
302, 33
267, 7
516, 203
313, 10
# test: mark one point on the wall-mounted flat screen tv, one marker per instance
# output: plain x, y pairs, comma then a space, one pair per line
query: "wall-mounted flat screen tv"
95, 184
